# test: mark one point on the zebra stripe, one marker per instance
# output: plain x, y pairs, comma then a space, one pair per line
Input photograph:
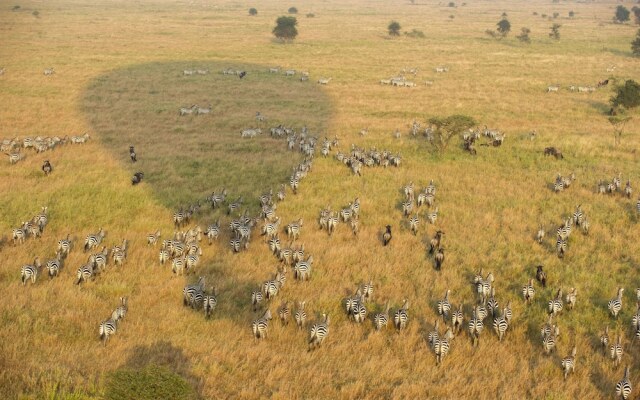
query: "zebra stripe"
432, 216
528, 292
441, 346
261, 325
476, 326
561, 247
604, 340
628, 191
209, 302
193, 294
302, 269
19, 235
84, 273
54, 266
284, 313
64, 247
407, 207
30, 272
457, 320
93, 240
500, 325
569, 363
444, 306
413, 224
401, 317
121, 311
300, 315
107, 328
152, 238
616, 352
615, 305
555, 306
623, 388
318, 333
256, 298
235, 206
293, 229
571, 298
381, 320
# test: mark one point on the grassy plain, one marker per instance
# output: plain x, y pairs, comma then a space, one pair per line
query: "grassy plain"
118, 67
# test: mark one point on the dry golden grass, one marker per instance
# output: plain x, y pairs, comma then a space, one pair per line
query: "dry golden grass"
115, 55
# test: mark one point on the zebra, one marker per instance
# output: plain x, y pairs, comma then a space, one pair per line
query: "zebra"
178, 265
351, 302
435, 242
541, 276
294, 182
484, 286
441, 346
444, 306
528, 292
401, 317
193, 295
209, 302
616, 351
332, 222
187, 110
289, 72
203, 110
32, 229
93, 240
238, 245
270, 229
569, 363
346, 214
492, 303
256, 298
615, 305
561, 247
121, 311
638, 206
476, 326
585, 226
355, 225
628, 191
571, 298
274, 245
191, 261
106, 329
380, 320
284, 312
408, 191
152, 238
359, 310
30, 272
500, 325
300, 315
367, 291
558, 185
271, 288
49, 71
578, 216
550, 339
386, 236
324, 81
41, 219
432, 216
407, 207
281, 193
235, 206
434, 335
15, 157
623, 388
604, 340
19, 235
218, 198
164, 256
54, 265
99, 260
319, 332
261, 325
457, 319
302, 269
555, 306
553, 88
293, 229
540, 234
119, 253
84, 273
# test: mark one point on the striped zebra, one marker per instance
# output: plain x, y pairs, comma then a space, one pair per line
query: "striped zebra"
19, 235
121, 311
401, 316
41, 219
476, 326
351, 302
191, 262
528, 292
213, 231
84, 273
355, 207
355, 225
266, 198
578, 216
319, 332
540, 234
571, 298
300, 315
294, 182
119, 253
492, 303
615, 305
441, 346
217, 199
500, 325
261, 326
604, 340
281, 193
434, 335
367, 291
152, 238
569, 363
106, 329
178, 265
32, 229
54, 266
93, 240
193, 295
558, 185
293, 229
237, 245
408, 191
444, 307
380, 320
484, 286
15, 157
209, 302
284, 312
407, 207
272, 287
457, 320
302, 269
181, 217
550, 333
561, 247
346, 214
616, 351
256, 299
270, 229
99, 260
432, 216
585, 226
359, 310
332, 223
30, 272
564, 231
274, 245
555, 305
164, 256
235, 206
623, 388
638, 206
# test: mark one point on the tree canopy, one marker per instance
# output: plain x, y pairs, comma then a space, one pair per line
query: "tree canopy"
285, 28
394, 28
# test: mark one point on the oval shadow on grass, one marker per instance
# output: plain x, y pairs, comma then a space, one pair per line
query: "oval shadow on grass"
185, 158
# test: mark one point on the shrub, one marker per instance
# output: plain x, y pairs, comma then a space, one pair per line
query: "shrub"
286, 28
622, 14
452, 4
504, 27
556, 14
310, 15
253, 11
292, 10
571, 14
394, 28
635, 45
415, 34
444, 128
627, 95
555, 32
636, 14
524, 35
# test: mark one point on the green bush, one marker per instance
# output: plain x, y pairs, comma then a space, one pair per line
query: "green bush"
292, 10
627, 95
253, 11
286, 28
622, 14
394, 28
149, 383
415, 34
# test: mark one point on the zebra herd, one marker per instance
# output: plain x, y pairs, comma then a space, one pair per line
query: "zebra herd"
578, 218
304, 75
32, 228
194, 109
13, 147
359, 157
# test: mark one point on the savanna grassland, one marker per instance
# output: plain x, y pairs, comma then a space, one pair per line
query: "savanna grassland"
119, 77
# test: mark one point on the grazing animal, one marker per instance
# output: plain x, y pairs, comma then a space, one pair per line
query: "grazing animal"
616, 351
137, 178
623, 388
435, 242
47, 168
300, 315
386, 237
541, 276
319, 332
261, 325
132, 154
107, 328
552, 151
540, 234
569, 363
439, 258
604, 340
401, 317
30, 272
615, 305
571, 298
49, 71
381, 320
476, 326
242, 74
121, 311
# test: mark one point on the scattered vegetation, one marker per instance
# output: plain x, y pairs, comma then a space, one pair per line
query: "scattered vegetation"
15, 8
394, 28
149, 383
292, 10
572, 14
635, 45
627, 95
311, 15
622, 14
524, 35
452, 4
445, 128
285, 28
253, 11
415, 33
636, 14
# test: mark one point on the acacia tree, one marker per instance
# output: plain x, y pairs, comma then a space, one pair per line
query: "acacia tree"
394, 28
555, 32
504, 27
635, 45
253, 11
622, 14
285, 28
524, 35
444, 128
636, 13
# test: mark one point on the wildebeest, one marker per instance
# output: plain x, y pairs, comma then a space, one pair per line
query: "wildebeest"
552, 151
137, 178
